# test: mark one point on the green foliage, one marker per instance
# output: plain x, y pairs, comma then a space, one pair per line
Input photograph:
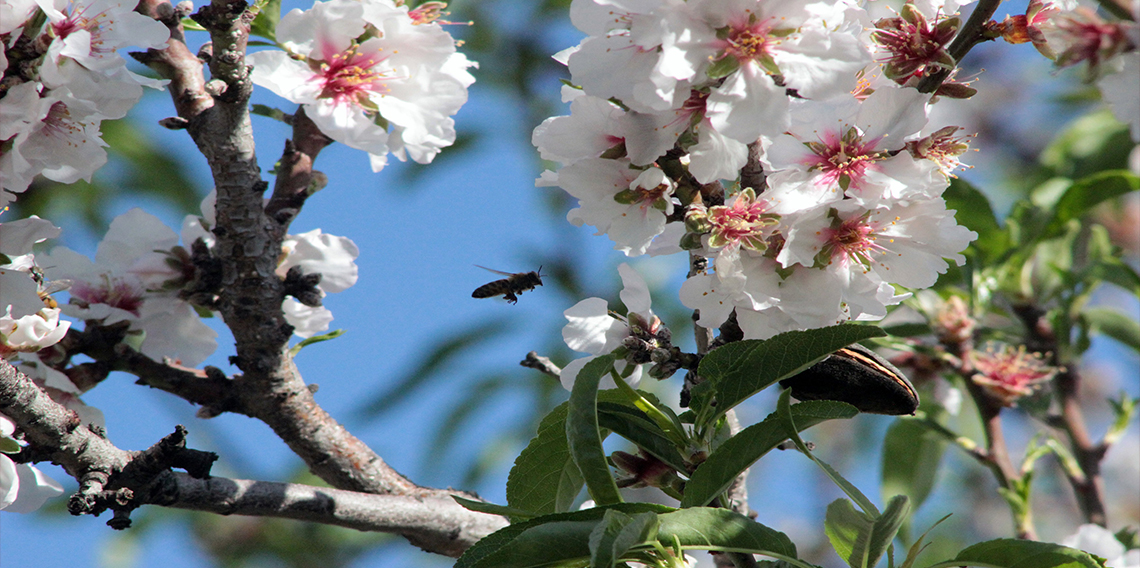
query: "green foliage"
861, 540
603, 536
739, 452
911, 458
1010, 553
739, 370
585, 439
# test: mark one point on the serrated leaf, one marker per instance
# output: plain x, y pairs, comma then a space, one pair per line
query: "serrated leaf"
861, 540
583, 435
739, 452
739, 370
491, 508
721, 529
1013, 553
848, 530
544, 479
886, 527
633, 425
911, 455
545, 540
617, 533
1114, 324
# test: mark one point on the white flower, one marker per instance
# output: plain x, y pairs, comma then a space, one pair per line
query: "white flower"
123, 284
842, 148
403, 73
330, 256
639, 52
1100, 541
18, 290
594, 126
32, 332
625, 203
766, 37
56, 135
14, 14
594, 330
904, 243
23, 488
1119, 91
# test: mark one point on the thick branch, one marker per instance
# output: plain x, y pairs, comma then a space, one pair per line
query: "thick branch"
434, 522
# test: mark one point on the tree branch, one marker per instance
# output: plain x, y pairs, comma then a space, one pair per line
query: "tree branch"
435, 523
111, 478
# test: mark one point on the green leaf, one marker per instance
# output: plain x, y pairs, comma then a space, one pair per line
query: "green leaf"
1089, 192
911, 455
1013, 553
739, 370
721, 529
546, 540
545, 479
294, 350
739, 452
886, 527
1114, 324
617, 533
492, 509
268, 15
784, 410
849, 531
973, 211
859, 539
1093, 143
9, 446
584, 437
634, 425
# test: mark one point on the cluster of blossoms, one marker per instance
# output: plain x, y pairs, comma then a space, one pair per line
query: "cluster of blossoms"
371, 74
141, 277
62, 77
810, 111
671, 98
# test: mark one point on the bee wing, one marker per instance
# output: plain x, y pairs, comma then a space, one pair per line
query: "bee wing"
495, 271
54, 286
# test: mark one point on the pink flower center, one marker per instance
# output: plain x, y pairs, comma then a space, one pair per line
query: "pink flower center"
350, 76
742, 223
751, 41
842, 160
113, 292
853, 241
60, 125
1009, 374
76, 20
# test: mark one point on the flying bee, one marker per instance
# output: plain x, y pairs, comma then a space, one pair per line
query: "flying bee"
45, 289
510, 286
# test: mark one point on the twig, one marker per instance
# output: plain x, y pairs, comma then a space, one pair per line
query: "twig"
968, 36
542, 364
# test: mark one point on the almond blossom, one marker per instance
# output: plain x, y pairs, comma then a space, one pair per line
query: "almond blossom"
595, 330
23, 487
121, 285
370, 76
627, 204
